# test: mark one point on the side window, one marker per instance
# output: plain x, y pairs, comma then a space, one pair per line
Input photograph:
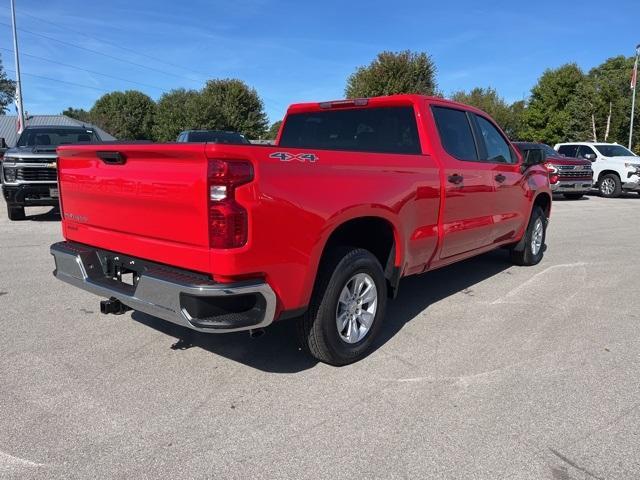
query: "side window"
455, 133
584, 150
568, 150
498, 150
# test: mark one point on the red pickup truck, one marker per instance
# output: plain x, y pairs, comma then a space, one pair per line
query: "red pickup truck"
355, 195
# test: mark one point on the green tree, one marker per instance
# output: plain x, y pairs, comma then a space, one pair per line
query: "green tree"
509, 117
126, 115
273, 130
7, 90
230, 104
77, 113
394, 73
610, 82
546, 117
176, 111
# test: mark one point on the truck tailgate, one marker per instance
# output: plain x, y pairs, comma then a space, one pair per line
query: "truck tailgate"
146, 200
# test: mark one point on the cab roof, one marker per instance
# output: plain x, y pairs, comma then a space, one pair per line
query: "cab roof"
372, 102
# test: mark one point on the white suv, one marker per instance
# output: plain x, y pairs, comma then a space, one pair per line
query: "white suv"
615, 169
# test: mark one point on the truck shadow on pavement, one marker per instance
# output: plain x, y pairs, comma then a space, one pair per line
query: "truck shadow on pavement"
277, 350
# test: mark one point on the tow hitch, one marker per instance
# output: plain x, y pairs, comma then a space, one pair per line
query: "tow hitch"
114, 306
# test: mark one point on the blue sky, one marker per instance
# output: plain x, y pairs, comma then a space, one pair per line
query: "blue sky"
300, 51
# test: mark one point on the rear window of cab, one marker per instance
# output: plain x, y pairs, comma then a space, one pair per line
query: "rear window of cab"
376, 130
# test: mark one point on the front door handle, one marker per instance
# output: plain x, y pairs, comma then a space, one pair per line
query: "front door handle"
500, 178
456, 179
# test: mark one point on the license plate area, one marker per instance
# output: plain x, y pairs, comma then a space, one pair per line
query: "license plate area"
53, 192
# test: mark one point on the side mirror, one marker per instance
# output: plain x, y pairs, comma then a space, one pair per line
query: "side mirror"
590, 156
532, 157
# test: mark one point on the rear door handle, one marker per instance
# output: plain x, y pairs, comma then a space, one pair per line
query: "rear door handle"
112, 158
456, 179
500, 178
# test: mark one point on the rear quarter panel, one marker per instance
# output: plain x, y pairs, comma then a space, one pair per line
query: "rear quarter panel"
295, 205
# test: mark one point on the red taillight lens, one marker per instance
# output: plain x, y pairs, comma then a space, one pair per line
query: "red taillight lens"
228, 220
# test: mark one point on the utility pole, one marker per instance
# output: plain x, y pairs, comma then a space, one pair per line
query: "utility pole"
634, 82
18, 78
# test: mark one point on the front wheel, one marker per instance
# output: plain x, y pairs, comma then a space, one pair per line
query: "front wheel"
530, 250
346, 309
610, 186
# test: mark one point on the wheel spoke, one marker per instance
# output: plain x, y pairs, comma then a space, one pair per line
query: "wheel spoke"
344, 295
366, 318
353, 330
343, 319
359, 282
369, 294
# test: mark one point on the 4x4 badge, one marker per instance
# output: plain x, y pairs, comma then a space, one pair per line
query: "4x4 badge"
288, 157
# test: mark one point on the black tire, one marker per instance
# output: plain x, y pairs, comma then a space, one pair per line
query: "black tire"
523, 253
16, 213
317, 329
612, 181
573, 196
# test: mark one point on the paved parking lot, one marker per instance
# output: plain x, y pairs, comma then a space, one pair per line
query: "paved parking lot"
485, 370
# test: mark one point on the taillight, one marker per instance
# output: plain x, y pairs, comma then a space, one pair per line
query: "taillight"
553, 172
228, 222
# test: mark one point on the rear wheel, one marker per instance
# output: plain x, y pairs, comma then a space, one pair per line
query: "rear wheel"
610, 186
530, 250
16, 213
346, 309
573, 196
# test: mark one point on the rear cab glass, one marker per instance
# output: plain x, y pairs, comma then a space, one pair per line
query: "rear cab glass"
375, 130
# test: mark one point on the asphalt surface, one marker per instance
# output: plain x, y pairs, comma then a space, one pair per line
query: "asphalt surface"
484, 371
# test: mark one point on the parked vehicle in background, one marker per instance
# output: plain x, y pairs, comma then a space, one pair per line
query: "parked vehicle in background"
3, 148
29, 173
571, 177
615, 168
212, 136
356, 195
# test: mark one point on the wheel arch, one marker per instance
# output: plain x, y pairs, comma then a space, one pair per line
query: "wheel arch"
376, 234
542, 200
607, 172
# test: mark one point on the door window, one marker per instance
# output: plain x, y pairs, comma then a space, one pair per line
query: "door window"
568, 150
584, 150
455, 133
498, 150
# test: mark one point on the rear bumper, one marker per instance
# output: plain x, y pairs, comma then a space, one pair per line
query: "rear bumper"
30, 195
179, 296
572, 186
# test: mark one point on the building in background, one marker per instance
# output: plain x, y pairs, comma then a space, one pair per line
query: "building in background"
10, 135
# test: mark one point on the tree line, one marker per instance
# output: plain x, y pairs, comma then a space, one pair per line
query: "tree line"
565, 104
226, 104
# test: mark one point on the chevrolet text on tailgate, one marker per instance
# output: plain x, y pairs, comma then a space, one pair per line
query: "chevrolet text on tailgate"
321, 227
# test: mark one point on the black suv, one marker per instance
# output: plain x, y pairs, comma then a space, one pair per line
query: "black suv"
29, 170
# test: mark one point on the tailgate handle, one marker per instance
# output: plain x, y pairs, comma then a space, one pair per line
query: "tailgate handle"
112, 158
